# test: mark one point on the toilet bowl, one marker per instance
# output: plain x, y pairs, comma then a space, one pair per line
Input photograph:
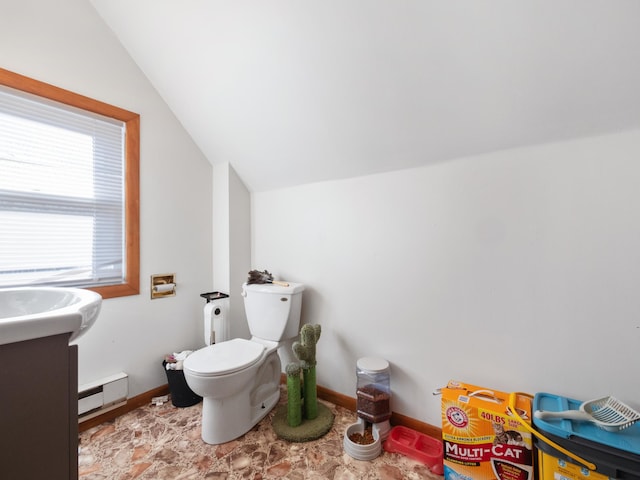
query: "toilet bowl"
239, 379
239, 382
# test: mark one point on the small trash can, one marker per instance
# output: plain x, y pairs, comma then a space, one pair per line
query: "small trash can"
181, 394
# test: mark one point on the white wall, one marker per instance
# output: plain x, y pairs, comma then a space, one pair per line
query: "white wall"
231, 242
239, 251
220, 227
517, 270
65, 43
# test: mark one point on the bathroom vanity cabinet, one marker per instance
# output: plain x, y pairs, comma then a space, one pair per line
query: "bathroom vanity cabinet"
39, 409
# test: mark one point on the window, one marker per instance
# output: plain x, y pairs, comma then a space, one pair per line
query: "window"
69, 190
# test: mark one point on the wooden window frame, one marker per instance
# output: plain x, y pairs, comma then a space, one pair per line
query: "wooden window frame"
131, 284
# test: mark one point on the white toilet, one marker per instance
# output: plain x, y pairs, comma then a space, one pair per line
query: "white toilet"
239, 379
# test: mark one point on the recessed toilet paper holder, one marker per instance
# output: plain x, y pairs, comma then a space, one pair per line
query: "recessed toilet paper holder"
163, 285
211, 296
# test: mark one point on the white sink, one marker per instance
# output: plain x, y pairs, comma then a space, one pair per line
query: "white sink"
34, 312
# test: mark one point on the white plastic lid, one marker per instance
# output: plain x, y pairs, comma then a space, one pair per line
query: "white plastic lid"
372, 364
224, 357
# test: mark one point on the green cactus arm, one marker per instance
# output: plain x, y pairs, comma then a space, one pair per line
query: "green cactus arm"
294, 404
310, 393
305, 350
292, 369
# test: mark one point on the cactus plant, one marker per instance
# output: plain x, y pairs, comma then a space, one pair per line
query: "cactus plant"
303, 418
305, 351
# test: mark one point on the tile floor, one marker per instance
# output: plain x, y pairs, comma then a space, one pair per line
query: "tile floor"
163, 442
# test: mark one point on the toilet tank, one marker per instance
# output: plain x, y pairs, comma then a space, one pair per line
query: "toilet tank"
273, 312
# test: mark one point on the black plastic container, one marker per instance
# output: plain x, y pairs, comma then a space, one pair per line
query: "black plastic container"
181, 394
612, 462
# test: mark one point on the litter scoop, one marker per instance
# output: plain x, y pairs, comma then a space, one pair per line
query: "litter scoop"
607, 413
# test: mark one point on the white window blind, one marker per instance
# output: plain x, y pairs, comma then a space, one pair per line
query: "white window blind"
61, 194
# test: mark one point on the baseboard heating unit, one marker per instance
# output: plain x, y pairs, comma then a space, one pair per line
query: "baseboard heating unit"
96, 398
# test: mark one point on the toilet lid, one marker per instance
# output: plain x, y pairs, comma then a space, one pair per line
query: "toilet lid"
224, 357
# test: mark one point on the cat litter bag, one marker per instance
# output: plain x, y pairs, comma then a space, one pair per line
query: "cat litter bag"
482, 440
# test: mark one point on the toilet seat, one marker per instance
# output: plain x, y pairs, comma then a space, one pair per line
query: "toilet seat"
224, 358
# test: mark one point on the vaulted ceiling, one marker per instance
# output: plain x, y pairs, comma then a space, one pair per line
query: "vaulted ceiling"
298, 91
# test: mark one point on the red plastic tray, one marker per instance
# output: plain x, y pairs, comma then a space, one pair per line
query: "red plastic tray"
416, 445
